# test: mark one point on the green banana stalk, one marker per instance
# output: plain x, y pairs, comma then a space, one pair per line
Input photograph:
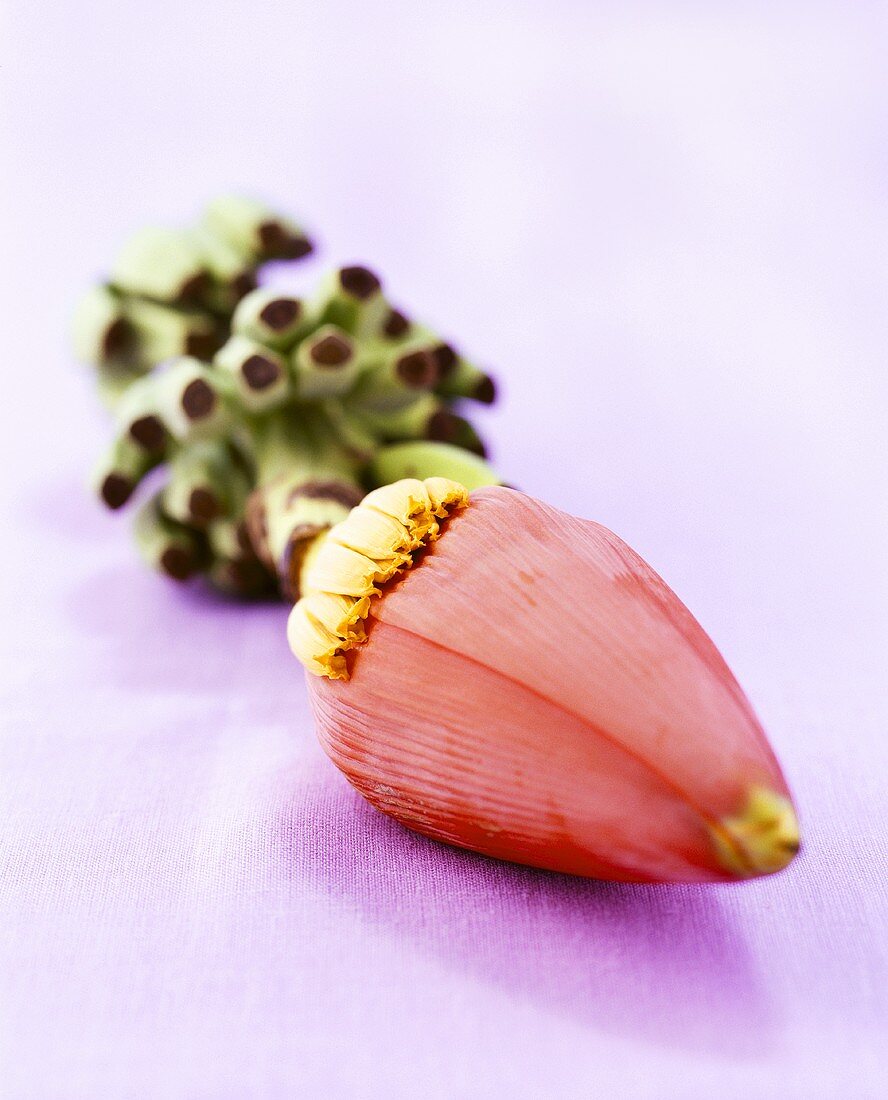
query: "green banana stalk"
258, 378
325, 363
271, 318
429, 459
165, 544
120, 470
255, 229
272, 412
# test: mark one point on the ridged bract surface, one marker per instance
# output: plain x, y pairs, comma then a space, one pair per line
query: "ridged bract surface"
532, 690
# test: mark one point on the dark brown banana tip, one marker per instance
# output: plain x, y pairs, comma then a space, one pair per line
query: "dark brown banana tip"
359, 282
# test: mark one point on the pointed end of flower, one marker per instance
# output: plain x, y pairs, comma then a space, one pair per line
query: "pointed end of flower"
349, 566
761, 839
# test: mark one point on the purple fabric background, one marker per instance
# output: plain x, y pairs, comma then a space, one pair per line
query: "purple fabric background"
666, 227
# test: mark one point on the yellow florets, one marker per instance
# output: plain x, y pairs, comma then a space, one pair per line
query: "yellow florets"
351, 563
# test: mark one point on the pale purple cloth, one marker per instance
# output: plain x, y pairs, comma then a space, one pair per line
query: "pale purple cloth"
666, 227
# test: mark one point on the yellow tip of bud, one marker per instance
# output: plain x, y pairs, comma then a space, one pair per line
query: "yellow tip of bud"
761, 839
350, 563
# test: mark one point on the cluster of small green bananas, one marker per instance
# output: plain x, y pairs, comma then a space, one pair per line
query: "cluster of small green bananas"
270, 414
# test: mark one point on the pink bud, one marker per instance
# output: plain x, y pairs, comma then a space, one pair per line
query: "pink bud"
518, 681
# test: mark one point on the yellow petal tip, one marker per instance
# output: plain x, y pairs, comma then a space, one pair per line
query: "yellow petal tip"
761, 839
350, 563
